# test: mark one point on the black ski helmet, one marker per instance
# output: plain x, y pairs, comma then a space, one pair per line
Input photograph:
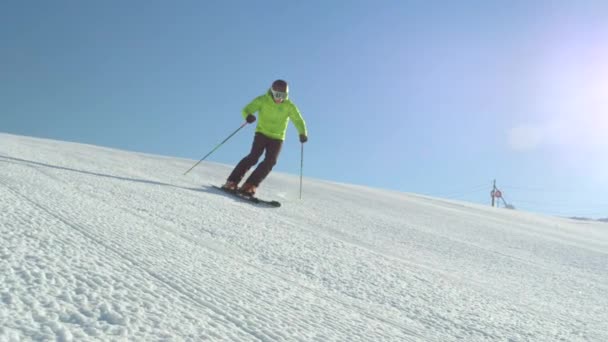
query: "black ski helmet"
280, 85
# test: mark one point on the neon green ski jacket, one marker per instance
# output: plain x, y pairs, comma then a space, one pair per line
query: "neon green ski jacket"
273, 118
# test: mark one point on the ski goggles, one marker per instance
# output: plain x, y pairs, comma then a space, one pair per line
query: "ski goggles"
278, 95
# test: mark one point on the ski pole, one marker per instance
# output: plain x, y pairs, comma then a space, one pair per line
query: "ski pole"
301, 167
216, 147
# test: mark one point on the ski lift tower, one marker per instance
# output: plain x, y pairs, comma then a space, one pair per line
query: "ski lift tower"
497, 195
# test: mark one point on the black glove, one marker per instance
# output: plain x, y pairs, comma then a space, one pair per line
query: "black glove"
303, 138
250, 118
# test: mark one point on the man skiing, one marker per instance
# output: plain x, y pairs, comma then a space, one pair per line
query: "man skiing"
274, 111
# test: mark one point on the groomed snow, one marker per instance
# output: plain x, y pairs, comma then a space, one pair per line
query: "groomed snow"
103, 244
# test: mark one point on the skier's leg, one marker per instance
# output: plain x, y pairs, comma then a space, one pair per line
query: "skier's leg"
273, 148
257, 148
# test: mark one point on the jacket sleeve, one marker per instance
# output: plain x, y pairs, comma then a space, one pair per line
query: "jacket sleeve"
298, 121
252, 107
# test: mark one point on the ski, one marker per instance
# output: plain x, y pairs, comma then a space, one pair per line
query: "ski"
252, 199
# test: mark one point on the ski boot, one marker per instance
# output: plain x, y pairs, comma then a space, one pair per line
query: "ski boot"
247, 189
230, 186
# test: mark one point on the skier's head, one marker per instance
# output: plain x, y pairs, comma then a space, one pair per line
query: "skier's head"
279, 91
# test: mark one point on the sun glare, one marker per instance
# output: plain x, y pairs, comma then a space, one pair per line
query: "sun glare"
572, 96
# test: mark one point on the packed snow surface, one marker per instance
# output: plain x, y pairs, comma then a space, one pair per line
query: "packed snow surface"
103, 244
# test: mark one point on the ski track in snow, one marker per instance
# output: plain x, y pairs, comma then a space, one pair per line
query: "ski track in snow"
101, 244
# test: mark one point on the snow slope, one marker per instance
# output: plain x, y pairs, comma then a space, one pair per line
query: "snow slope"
102, 244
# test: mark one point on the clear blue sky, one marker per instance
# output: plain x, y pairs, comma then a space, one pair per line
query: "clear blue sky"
432, 97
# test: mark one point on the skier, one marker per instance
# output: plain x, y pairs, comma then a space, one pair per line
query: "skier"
274, 111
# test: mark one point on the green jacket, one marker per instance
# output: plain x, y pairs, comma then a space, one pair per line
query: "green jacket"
274, 117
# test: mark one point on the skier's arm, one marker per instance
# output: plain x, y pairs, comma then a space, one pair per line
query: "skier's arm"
298, 121
252, 107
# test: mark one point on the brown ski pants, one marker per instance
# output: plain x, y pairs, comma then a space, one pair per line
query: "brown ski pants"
261, 143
